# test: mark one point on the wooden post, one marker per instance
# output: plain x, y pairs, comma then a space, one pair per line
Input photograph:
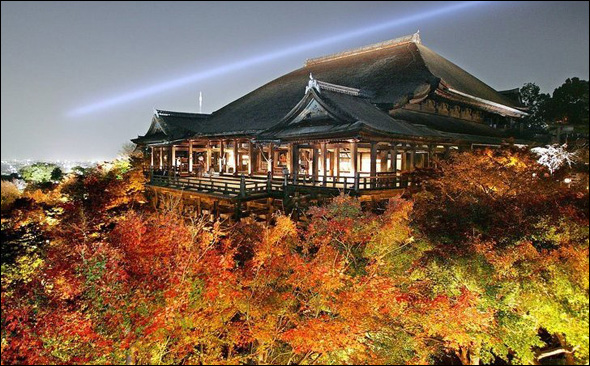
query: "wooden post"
393, 153
324, 162
383, 155
169, 158
314, 162
336, 171
447, 151
373, 159
161, 157
412, 158
236, 156
208, 160
270, 162
290, 157
190, 156
174, 158
294, 162
353, 158
250, 158
221, 157
216, 210
152, 158
242, 186
268, 182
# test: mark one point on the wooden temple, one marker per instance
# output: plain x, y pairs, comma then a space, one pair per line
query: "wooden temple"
356, 122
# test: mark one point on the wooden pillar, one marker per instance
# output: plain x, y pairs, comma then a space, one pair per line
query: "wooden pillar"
173, 157
236, 156
190, 156
412, 157
373, 168
270, 168
290, 157
152, 157
383, 166
393, 153
208, 158
447, 151
161, 157
314, 162
250, 157
405, 158
324, 161
169, 159
222, 156
294, 159
353, 158
336, 171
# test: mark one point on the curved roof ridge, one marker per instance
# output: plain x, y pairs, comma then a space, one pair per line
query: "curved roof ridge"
411, 38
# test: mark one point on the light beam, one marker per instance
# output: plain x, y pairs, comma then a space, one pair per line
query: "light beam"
216, 71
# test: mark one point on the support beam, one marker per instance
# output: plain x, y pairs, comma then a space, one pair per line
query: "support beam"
270, 161
324, 162
190, 156
208, 159
383, 164
447, 151
412, 163
404, 154
294, 159
314, 162
236, 156
290, 158
393, 153
173, 157
336, 171
431, 150
353, 158
250, 157
373, 164
221, 157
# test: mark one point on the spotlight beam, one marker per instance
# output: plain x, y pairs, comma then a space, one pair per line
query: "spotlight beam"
234, 66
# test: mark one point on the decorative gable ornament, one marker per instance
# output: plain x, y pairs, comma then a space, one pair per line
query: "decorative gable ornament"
312, 83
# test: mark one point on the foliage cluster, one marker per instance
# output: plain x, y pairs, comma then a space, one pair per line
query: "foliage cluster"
486, 262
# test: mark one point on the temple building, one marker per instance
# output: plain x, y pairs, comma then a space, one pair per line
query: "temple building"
357, 121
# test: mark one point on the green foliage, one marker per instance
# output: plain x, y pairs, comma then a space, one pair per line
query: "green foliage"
569, 103
41, 173
538, 105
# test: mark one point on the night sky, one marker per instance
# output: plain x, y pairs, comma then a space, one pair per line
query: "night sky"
60, 58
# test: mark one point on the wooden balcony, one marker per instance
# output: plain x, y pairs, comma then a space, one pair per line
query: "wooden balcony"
244, 188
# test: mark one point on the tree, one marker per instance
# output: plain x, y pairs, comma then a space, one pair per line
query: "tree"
41, 173
569, 104
537, 104
427, 281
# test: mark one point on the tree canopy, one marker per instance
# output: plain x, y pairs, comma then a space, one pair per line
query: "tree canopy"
487, 261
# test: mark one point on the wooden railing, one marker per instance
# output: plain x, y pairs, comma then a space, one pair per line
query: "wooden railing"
243, 186
356, 183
